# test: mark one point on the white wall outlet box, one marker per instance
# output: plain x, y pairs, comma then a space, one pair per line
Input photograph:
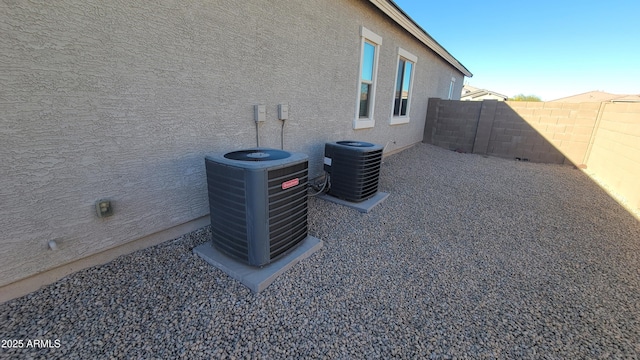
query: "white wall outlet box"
283, 111
260, 113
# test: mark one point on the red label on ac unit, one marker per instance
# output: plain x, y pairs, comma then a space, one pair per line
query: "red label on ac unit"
290, 183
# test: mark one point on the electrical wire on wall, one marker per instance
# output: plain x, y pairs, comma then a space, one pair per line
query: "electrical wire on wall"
283, 115
257, 134
282, 135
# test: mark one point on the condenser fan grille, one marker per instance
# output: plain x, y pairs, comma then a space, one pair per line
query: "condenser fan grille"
257, 155
355, 143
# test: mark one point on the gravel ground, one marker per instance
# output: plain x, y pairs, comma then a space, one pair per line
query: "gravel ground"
469, 257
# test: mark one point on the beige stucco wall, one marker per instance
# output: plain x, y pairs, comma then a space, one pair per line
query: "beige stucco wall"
122, 100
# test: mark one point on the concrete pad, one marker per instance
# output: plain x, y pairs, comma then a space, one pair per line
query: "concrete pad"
363, 206
255, 278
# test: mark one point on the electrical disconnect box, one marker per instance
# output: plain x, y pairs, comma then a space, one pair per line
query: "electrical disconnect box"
260, 112
283, 111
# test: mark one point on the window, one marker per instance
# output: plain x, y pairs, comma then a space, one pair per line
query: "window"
370, 45
404, 83
366, 78
452, 85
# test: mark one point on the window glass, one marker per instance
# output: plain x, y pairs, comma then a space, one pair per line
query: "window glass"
406, 82
367, 61
403, 85
451, 85
407, 77
364, 100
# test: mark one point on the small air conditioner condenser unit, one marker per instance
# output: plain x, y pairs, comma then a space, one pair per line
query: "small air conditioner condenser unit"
353, 168
258, 203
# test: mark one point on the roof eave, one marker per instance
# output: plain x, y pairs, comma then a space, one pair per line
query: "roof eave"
401, 18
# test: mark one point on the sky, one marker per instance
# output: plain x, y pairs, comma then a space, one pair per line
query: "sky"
550, 49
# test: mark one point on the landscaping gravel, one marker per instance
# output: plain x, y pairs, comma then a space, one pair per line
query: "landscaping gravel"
469, 257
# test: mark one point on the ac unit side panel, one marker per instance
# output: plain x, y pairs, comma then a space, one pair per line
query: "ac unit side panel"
353, 194
228, 211
354, 170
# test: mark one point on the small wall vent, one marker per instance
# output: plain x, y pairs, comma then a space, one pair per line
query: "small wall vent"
354, 169
258, 203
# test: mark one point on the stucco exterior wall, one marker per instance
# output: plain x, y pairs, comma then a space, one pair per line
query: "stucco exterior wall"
122, 100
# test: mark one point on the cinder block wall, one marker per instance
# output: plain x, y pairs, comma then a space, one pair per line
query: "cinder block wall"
604, 138
545, 132
614, 157
452, 124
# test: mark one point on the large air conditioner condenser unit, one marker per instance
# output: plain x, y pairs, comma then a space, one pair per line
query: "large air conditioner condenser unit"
258, 203
353, 168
